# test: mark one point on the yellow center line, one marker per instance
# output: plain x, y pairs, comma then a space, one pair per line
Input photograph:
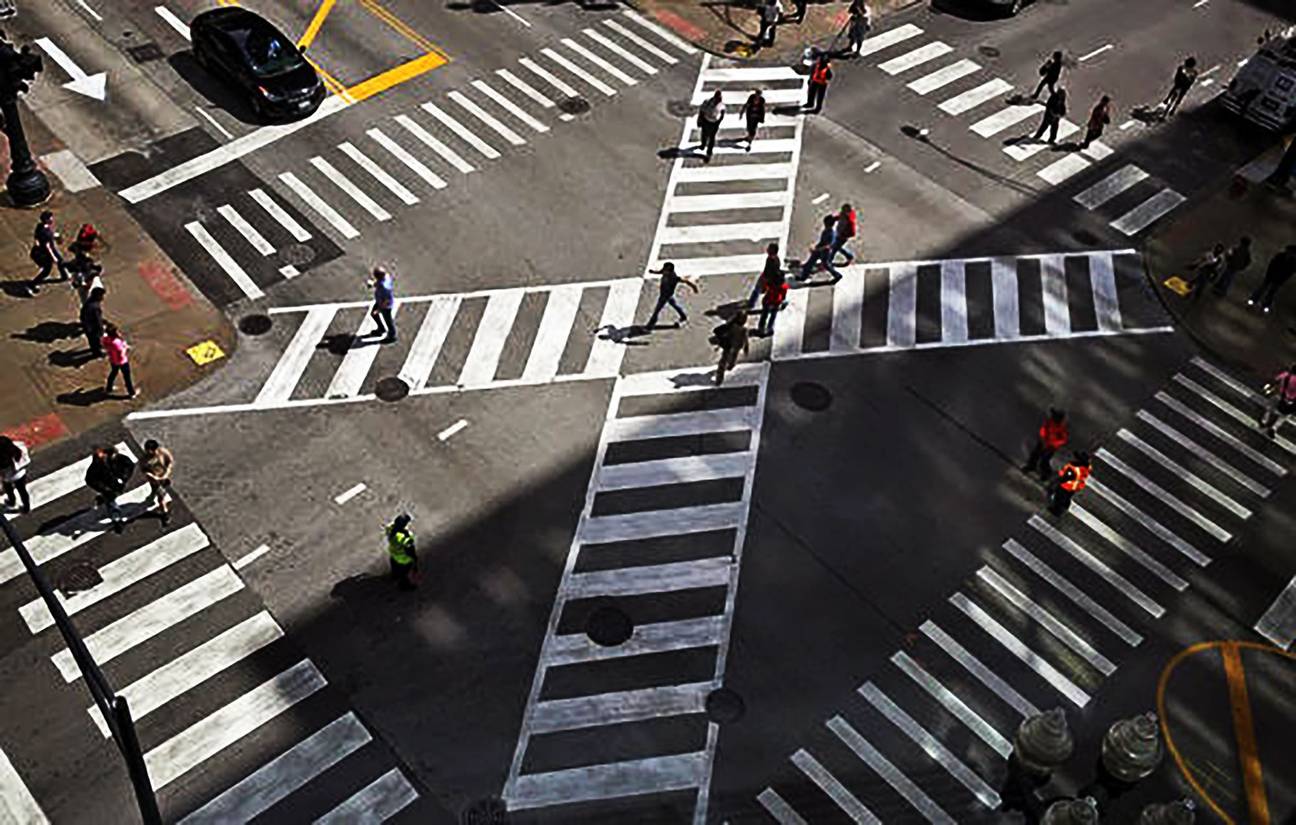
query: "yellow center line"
401, 26
1244, 728
321, 14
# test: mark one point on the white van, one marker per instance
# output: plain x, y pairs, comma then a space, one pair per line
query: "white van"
1264, 89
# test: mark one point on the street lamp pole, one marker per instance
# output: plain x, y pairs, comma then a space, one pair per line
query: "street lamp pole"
26, 184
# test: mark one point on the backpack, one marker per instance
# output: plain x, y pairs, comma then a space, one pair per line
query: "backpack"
720, 336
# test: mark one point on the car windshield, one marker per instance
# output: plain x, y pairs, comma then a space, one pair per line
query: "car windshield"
268, 52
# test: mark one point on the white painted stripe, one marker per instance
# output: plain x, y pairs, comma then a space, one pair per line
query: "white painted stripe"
359, 359
1096, 52
525, 88
659, 637
788, 334
560, 310
1204, 454
1057, 315
930, 745
547, 76
680, 470
1129, 548
917, 57
696, 422
1047, 620
195, 666
662, 32
509, 106
412, 163
670, 381
288, 370
144, 623
1028, 149
623, 52
431, 337
425, 137
1063, 168
315, 202
734, 171
458, 128
249, 232
67, 535
954, 326
205, 738
716, 232
1152, 525
1222, 435
1075, 594
978, 669
892, 775
1278, 624
1143, 215
1014, 645
645, 45
215, 124
119, 574
733, 124
1102, 279
1212, 492
751, 74
618, 313
449, 432
1099, 567
378, 801
944, 76
902, 306
1098, 151
847, 304
1110, 186
657, 578
352, 191
1004, 289
956, 706
830, 785
734, 200
653, 523
737, 97
888, 38
67, 479
378, 173
590, 79
350, 493
284, 774
777, 807
657, 774
618, 708
492, 334
1246, 420
224, 260
1004, 118
972, 98
1228, 380
274, 210
251, 556
1173, 502
169, 17
17, 805
289, 271
487, 118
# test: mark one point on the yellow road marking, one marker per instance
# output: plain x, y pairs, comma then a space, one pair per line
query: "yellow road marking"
401, 26
1244, 729
392, 77
321, 14
204, 352
331, 83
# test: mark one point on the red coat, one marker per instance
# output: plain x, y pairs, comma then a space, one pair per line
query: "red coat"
775, 294
1054, 434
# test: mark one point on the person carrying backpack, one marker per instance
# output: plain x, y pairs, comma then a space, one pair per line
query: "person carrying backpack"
732, 339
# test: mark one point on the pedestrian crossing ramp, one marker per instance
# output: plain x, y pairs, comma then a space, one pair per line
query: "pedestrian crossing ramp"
658, 547
1048, 618
234, 722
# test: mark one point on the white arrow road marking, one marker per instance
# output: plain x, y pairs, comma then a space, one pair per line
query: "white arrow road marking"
92, 85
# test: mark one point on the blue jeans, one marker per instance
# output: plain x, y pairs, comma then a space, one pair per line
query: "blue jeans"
662, 301
820, 256
384, 316
840, 246
765, 326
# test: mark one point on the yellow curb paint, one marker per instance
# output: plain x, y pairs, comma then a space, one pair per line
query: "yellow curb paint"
321, 14
1244, 730
394, 77
1177, 284
205, 352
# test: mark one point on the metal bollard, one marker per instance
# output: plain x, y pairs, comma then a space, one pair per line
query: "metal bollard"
1183, 812
1131, 750
1043, 742
1072, 812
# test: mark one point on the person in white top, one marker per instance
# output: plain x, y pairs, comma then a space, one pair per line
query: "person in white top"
14, 459
710, 113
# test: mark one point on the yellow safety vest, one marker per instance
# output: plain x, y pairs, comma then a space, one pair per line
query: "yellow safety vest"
400, 545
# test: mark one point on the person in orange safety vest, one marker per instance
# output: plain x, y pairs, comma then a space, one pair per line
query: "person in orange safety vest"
818, 86
1070, 480
1053, 436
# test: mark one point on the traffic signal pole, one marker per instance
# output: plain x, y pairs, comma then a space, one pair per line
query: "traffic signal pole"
26, 184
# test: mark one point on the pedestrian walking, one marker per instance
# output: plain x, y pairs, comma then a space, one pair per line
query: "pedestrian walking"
753, 110
1281, 392
384, 301
157, 465
1053, 436
799, 10
773, 269
92, 322
87, 279
114, 343
86, 240
1099, 119
14, 460
1054, 110
822, 252
775, 289
771, 11
107, 475
1281, 267
844, 230
710, 113
861, 21
1070, 480
818, 86
45, 252
1236, 261
401, 552
1050, 71
666, 286
1206, 268
1185, 76
733, 340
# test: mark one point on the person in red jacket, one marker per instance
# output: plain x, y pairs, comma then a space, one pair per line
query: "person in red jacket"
1070, 480
1053, 436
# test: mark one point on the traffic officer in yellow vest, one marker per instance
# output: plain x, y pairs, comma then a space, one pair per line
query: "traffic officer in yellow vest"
1070, 480
400, 547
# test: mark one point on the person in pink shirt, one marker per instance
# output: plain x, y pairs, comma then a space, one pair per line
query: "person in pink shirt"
114, 343
1282, 400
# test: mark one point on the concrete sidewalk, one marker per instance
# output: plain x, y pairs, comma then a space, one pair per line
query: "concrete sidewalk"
51, 390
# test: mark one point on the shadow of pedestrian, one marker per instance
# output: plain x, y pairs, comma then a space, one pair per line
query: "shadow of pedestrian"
70, 358
622, 335
675, 152
16, 289
790, 109
704, 378
47, 332
82, 397
344, 342
726, 311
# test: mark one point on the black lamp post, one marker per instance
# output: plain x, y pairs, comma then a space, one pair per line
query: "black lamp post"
27, 185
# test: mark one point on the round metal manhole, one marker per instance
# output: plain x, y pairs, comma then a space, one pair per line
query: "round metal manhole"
485, 812
391, 388
724, 706
811, 396
679, 108
256, 324
297, 254
79, 577
573, 105
988, 51
609, 627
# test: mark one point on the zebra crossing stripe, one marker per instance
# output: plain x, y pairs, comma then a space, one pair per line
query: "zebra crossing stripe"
777, 807
681, 470
378, 801
847, 302
623, 52
788, 334
67, 479
618, 708
917, 57
352, 191
1047, 620
717, 232
657, 774
1063, 168
425, 137
349, 377
1248, 421
1222, 435
315, 202
1278, 624
487, 118
902, 306
830, 785
972, 98
556, 323
733, 200
525, 88
1005, 118
1027, 150
509, 106
429, 340
668, 425
1150, 210
657, 578
618, 313
737, 97
662, 32
1220, 498
274, 210
249, 232
1151, 525
956, 706
292, 364
701, 518
1102, 280
735, 172
224, 260
1057, 315
1170, 500
750, 74
378, 173
454, 126
944, 76
1129, 548
890, 774
67, 535
1228, 380
1110, 186
954, 326
888, 38
1204, 454
547, 76
665, 382
1100, 568
977, 668
492, 333
640, 42
412, 163
590, 79
658, 637
1075, 594
1003, 288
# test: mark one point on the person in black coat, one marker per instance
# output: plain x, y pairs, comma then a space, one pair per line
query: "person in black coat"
1050, 72
92, 321
1054, 110
107, 475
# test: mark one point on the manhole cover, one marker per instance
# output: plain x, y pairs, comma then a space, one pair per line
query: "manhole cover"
988, 51
609, 627
679, 108
145, 52
724, 706
485, 812
79, 577
297, 254
574, 105
391, 388
257, 324
811, 396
